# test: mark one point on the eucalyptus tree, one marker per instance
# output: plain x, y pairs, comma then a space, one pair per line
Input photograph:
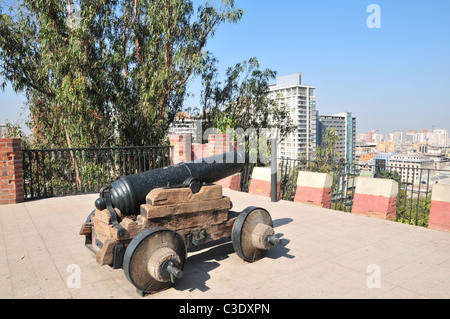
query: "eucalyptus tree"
326, 154
100, 72
243, 100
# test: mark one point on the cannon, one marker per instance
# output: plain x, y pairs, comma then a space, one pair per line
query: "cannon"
128, 193
145, 223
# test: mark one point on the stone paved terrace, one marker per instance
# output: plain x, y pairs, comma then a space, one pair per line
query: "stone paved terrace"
325, 254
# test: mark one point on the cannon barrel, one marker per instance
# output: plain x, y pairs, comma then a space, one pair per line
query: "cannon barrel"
129, 192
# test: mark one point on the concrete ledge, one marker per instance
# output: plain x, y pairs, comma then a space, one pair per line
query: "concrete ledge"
376, 186
264, 174
313, 179
440, 208
441, 193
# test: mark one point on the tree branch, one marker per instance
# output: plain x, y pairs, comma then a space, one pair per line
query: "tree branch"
136, 41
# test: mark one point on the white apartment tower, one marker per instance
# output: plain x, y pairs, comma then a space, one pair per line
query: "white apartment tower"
301, 100
345, 125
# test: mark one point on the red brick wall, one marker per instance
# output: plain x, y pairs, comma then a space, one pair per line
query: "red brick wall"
182, 148
219, 144
199, 151
232, 182
11, 171
184, 151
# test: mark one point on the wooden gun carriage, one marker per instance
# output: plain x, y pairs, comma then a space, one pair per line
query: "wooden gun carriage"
149, 239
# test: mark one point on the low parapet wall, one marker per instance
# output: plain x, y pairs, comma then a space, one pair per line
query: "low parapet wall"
440, 208
375, 197
314, 188
260, 184
11, 171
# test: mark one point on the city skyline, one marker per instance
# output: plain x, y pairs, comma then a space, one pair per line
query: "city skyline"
418, 130
434, 136
395, 77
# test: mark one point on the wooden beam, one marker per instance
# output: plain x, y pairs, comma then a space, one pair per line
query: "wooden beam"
171, 196
183, 221
149, 211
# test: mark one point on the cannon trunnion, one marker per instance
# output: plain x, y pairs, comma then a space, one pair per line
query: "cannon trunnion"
150, 244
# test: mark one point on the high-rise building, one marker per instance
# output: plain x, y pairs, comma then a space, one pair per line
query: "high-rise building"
361, 137
301, 100
345, 126
369, 136
435, 137
377, 138
185, 124
409, 166
381, 161
386, 147
411, 136
439, 137
3, 130
397, 137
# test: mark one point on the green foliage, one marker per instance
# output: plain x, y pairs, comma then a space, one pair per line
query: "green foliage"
341, 206
323, 163
78, 171
289, 174
413, 210
241, 106
14, 130
389, 175
114, 72
326, 154
242, 100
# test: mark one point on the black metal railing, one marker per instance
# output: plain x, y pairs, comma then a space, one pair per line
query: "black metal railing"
343, 186
414, 190
61, 172
246, 176
414, 185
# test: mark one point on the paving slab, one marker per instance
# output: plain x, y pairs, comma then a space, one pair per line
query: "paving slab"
324, 254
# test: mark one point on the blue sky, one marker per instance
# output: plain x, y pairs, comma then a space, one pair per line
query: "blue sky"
396, 77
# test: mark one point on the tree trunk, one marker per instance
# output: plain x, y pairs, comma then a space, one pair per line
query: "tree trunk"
72, 157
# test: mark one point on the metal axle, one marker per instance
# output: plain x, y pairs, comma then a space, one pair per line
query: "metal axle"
274, 240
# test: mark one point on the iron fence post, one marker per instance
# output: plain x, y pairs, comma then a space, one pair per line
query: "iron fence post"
273, 170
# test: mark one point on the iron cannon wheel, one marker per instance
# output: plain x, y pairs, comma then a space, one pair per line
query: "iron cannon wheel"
149, 257
243, 231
